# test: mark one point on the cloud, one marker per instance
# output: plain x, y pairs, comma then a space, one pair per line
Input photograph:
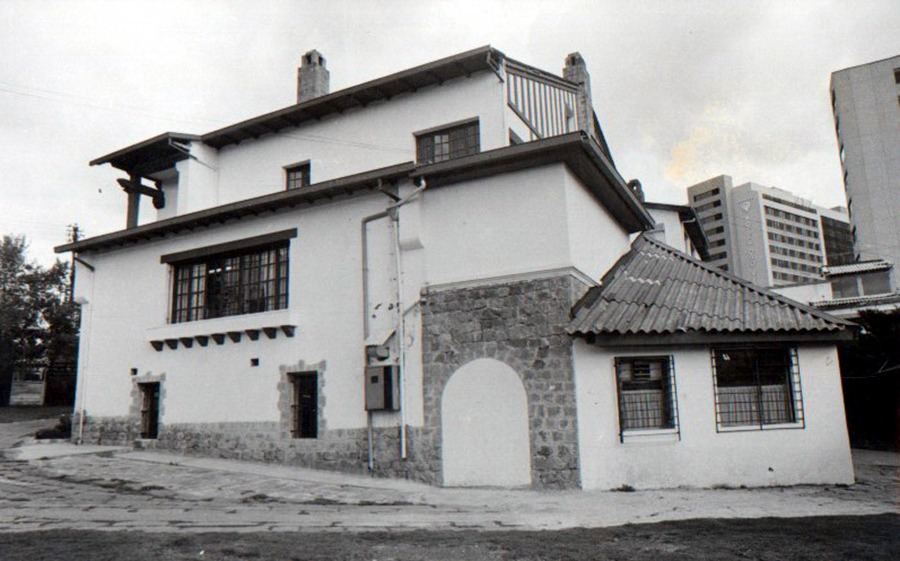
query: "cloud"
724, 141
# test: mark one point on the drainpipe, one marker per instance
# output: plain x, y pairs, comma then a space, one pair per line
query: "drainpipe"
393, 212
87, 352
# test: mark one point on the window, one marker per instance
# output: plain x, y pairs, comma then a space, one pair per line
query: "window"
897, 75
304, 404
707, 206
243, 280
756, 387
455, 141
149, 410
298, 175
647, 397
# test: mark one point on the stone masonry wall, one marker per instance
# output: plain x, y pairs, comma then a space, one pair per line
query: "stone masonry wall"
523, 325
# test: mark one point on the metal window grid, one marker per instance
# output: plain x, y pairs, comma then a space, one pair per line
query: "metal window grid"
230, 284
760, 406
647, 409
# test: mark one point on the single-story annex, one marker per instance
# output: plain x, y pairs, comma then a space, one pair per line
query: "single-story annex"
441, 275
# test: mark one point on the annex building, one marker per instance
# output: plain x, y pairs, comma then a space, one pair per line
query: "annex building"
463, 290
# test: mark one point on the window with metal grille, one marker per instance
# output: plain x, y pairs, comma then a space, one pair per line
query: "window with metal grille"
757, 387
304, 404
448, 143
233, 283
298, 175
646, 393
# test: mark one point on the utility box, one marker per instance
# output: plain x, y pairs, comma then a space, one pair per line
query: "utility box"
382, 388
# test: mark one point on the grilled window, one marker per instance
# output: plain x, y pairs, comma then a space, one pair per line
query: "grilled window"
646, 391
756, 387
298, 175
233, 283
448, 143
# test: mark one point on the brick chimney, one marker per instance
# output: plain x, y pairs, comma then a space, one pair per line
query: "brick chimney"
575, 71
312, 77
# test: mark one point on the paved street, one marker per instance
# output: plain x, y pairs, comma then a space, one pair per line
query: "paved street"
59, 486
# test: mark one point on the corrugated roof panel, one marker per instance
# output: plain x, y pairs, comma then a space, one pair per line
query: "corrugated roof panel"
659, 290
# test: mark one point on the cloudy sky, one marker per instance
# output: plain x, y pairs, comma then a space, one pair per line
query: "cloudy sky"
684, 90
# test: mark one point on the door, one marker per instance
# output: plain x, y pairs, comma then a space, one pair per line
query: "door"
306, 405
149, 410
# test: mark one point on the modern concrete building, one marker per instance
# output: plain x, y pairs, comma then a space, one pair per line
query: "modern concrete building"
764, 234
866, 104
421, 297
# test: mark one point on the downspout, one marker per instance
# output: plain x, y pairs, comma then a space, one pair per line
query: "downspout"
365, 297
401, 322
87, 353
391, 211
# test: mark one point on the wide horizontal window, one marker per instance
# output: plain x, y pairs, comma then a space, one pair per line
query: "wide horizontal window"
243, 281
757, 387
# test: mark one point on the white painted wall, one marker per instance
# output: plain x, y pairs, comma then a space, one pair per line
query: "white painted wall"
217, 384
818, 453
484, 426
596, 240
358, 140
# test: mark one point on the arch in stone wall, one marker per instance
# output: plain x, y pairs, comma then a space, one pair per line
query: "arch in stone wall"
484, 427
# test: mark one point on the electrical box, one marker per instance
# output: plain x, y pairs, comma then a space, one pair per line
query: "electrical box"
382, 388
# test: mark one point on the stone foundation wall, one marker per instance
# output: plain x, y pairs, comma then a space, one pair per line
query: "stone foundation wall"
523, 325
344, 450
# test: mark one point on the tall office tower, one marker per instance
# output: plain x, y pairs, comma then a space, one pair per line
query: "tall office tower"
710, 200
764, 234
836, 235
866, 103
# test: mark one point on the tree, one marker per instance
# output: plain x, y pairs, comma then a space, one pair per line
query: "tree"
38, 321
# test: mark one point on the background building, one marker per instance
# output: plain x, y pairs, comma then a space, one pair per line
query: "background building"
866, 102
767, 235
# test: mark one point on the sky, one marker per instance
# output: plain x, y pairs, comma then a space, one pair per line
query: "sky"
684, 90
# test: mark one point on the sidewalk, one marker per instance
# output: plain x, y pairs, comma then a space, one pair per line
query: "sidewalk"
254, 492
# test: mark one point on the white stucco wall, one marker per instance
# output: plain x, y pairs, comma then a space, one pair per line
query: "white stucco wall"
362, 139
596, 240
128, 306
818, 453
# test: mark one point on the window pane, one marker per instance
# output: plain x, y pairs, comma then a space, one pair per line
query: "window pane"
754, 386
442, 145
644, 394
242, 282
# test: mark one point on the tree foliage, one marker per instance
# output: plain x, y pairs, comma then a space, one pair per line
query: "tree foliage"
38, 320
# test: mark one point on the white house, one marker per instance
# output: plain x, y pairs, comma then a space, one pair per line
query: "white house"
413, 277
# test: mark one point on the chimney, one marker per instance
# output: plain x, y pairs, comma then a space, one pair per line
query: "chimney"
312, 77
575, 71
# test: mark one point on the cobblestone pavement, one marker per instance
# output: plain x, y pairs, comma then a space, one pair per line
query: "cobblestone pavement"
121, 490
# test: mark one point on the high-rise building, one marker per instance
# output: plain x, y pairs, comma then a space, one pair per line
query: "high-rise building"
767, 235
866, 104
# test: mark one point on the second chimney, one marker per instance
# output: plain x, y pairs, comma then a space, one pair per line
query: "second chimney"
312, 77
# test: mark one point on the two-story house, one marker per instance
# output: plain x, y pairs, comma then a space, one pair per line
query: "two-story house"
432, 275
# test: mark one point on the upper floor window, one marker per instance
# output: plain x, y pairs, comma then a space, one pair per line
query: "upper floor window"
242, 277
447, 143
756, 387
297, 175
897, 75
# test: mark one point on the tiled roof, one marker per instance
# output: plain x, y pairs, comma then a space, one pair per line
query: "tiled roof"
657, 290
859, 267
870, 299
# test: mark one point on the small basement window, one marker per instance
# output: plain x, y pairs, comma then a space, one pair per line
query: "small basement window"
646, 394
297, 175
448, 142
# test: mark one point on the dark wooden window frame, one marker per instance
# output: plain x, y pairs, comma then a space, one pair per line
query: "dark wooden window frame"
448, 142
236, 278
304, 404
790, 408
297, 175
631, 415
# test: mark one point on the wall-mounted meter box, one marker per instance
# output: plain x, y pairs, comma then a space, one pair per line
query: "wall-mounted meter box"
382, 388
